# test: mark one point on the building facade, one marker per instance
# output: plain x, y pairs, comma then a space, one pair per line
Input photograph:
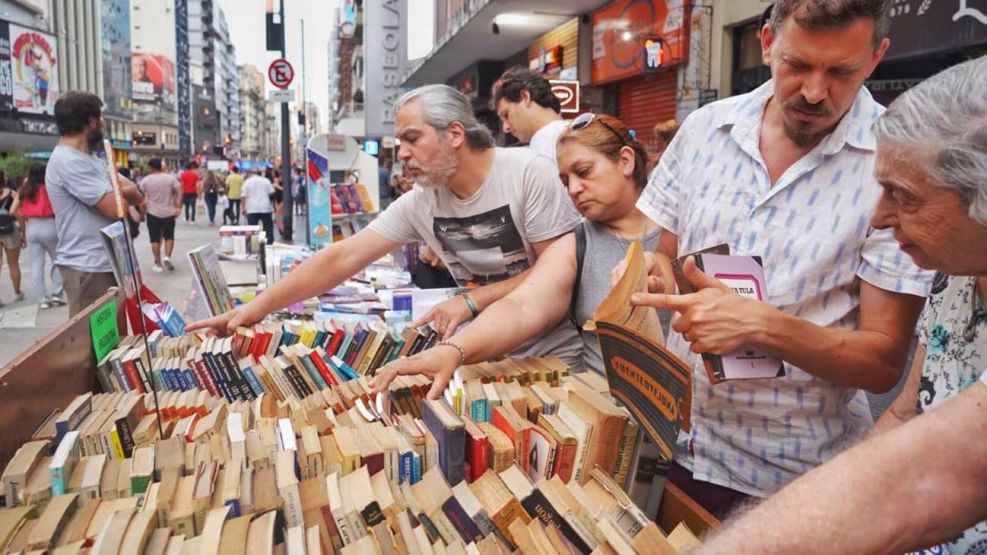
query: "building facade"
154, 81
253, 114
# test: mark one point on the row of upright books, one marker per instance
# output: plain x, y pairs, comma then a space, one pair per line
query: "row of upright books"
285, 359
193, 473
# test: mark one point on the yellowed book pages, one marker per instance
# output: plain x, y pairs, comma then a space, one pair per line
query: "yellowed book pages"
70, 549
212, 531
234, 539
176, 545
110, 538
75, 530
19, 542
104, 511
522, 538
682, 539
52, 521
260, 537
539, 538
313, 543
158, 542
11, 520
366, 545
180, 517
191, 546
139, 532
651, 538
617, 309
615, 538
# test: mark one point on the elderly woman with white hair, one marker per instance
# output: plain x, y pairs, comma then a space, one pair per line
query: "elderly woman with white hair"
921, 478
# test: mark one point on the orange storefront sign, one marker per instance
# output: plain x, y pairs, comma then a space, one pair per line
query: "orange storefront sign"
622, 30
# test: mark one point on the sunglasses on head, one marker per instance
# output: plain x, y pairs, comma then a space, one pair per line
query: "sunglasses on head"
583, 120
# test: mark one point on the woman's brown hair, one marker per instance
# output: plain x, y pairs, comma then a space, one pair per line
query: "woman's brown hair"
608, 142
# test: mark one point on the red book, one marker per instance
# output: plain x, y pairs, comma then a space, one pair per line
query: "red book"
338, 334
205, 376
478, 452
134, 380
322, 367
258, 347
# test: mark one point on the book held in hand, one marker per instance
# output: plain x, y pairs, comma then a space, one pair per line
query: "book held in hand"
745, 276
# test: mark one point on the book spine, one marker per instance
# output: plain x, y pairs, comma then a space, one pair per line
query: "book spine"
126, 437
431, 530
461, 521
239, 388
121, 377
253, 382
58, 484
216, 376
133, 380
343, 526
487, 527
406, 472
540, 508
200, 370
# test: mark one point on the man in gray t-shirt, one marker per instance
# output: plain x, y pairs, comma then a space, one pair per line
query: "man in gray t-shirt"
488, 212
78, 183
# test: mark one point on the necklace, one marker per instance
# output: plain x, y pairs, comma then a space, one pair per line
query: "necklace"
977, 313
624, 242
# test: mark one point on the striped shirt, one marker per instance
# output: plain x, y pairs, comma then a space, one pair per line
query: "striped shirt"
812, 231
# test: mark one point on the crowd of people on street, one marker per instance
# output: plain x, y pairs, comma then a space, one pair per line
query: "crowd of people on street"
871, 223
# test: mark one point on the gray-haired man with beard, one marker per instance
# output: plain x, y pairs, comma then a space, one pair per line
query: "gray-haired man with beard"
78, 183
488, 212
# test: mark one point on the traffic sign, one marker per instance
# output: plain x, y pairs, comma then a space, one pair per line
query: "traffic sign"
281, 95
280, 73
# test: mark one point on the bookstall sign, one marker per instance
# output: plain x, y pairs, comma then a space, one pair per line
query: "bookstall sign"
103, 326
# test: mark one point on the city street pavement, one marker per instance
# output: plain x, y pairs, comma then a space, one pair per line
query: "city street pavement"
170, 286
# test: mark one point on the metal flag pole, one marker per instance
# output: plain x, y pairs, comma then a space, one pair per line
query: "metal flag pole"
122, 215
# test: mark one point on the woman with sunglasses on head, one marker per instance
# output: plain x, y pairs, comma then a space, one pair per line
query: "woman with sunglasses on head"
604, 169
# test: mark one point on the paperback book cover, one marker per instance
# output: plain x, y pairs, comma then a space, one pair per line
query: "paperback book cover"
209, 279
745, 276
647, 378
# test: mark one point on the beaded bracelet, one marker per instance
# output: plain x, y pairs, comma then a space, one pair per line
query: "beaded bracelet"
462, 353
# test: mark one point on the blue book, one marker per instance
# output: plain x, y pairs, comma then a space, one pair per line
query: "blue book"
450, 433
406, 468
343, 368
417, 474
252, 381
188, 378
312, 371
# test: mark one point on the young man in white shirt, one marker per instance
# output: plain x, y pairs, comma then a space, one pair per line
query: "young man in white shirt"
529, 110
256, 199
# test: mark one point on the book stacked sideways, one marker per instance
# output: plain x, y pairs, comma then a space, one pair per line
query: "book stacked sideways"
295, 476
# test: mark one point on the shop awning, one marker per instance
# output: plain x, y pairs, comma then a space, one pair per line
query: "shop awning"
476, 40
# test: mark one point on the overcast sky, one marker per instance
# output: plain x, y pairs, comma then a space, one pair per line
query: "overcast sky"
246, 20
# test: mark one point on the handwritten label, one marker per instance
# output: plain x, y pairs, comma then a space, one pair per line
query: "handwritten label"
103, 326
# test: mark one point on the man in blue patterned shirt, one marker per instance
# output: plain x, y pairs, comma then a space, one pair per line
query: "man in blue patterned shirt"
786, 172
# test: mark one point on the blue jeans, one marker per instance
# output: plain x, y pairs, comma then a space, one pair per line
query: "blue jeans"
188, 200
211, 199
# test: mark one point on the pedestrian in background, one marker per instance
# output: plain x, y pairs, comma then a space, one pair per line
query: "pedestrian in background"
135, 214
234, 184
40, 236
191, 182
164, 204
257, 206
11, 236
212, 187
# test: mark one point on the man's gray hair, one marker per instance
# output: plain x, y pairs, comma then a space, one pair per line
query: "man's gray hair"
442, 106
945, 118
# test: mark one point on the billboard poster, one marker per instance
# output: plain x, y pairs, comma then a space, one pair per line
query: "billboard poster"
115, 51
623, 29
6, 69
152, 78
319, 200
35, 75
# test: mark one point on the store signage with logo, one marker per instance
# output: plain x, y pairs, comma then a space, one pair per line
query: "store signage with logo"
386, 47
920, 27
39, 127
568, 94
547, 60
653, 54
621, 31
145, 139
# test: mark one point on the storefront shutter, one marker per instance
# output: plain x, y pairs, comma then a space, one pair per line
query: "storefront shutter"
646, 100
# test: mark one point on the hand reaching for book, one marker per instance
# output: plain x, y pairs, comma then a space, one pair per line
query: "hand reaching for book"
438, 363
446, 316
226, 323
714, 319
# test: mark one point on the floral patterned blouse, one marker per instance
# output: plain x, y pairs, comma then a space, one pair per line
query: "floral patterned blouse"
953, 363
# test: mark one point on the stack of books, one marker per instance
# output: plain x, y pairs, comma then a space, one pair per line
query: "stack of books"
295, 476
241, 240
